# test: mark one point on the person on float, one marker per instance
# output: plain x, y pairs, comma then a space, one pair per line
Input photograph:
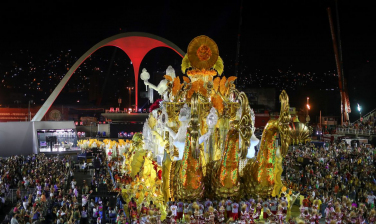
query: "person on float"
235, 210
265, 206
208, 204
180, 211
274, 205
174, 211
228, 207
186, 208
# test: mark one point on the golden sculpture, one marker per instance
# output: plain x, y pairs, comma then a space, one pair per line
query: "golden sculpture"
207, 129
259, 174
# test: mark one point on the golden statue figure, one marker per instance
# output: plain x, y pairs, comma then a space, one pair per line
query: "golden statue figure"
207, 129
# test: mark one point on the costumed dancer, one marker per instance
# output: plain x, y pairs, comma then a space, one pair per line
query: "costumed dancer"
196, 213
211, 215
169, 218
186, 209
362, 210
265, 207
271, 218
158, 217
187, 217
372, 217
284, 207
192, 218
134, 216
280, 214
315, 205
152, 218
221, 215
258, 208
206, 218
305, 216
338, 214
328, 210
252, 218
315, 217
243, 215
353, 218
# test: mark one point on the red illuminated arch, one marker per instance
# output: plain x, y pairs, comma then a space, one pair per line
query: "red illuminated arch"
135, 44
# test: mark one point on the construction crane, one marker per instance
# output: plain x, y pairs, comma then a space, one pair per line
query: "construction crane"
345, 102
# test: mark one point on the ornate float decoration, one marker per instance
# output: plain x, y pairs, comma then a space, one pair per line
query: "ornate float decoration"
202, 132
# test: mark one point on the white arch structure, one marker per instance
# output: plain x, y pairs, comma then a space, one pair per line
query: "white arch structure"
135, 44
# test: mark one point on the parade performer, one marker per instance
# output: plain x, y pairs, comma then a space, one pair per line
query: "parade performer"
315, 217
235, 211
372, 217
174, 210
265, 206
258, 208
305, 216
228, 207
186, 208
169, 218
211, 212
221, 215
353, 218
280, 214
271, 218
180, 211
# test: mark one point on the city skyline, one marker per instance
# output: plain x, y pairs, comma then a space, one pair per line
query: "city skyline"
290, 39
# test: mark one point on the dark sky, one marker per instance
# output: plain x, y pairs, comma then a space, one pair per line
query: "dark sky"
287, 32
274, 34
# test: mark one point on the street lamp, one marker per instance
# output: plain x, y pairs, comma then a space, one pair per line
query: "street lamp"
308, 108
91, 123
119, 102
129, 94
29, 112
360, 111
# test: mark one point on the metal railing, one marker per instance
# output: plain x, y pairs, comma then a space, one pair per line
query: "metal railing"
355, 131
11, 196
365, 117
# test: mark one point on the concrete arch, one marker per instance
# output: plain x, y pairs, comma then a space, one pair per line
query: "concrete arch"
135, 44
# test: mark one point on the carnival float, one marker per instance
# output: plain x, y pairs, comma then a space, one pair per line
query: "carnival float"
198, 141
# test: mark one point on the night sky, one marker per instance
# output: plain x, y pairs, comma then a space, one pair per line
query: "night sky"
273, 35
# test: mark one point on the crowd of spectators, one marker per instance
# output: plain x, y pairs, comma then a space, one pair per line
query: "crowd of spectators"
332, 173
44, 190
